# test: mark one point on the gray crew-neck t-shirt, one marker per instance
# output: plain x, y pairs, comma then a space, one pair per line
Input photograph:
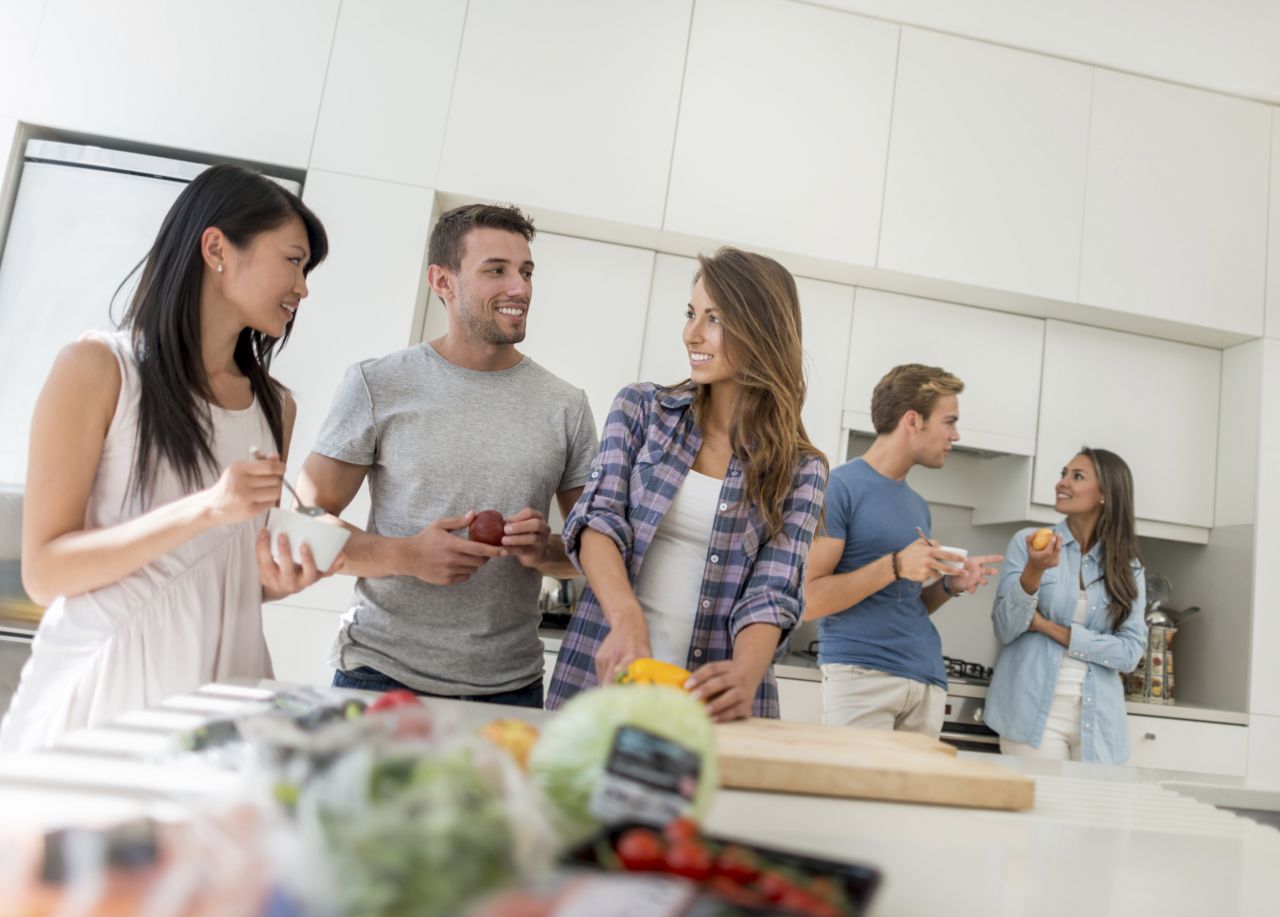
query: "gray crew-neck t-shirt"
440, 440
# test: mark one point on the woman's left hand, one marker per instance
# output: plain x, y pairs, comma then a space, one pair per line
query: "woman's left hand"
727, 688
283, 577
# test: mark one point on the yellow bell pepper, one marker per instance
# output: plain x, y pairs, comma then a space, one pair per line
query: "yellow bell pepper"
654, 672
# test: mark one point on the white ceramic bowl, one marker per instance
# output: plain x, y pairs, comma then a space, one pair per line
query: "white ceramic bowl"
958, 566
325, 539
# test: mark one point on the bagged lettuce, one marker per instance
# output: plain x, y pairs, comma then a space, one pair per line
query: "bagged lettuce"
590, 749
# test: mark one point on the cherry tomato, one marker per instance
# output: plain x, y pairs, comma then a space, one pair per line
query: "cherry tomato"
681, 829
689, 859
641, 850
738, 864
389, 700
773, 885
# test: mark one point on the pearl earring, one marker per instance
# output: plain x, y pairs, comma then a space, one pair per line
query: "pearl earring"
219, 268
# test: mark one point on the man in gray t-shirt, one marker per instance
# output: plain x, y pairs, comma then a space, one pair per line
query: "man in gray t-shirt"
442, 431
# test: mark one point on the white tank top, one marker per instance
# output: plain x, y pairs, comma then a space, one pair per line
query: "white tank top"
670, 578
1072, 671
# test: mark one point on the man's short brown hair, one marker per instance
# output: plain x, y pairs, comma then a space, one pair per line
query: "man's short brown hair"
910, 387
447, 236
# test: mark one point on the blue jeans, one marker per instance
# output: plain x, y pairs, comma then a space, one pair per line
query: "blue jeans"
364, 678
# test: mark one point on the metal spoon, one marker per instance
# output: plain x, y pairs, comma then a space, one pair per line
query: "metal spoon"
300, 507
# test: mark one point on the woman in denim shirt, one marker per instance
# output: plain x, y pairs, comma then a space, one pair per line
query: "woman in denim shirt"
1070, 616
695, 523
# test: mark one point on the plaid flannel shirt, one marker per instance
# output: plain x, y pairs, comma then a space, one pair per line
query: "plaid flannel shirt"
649, 444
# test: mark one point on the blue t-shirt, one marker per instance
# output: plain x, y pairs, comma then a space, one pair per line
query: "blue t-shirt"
890, 630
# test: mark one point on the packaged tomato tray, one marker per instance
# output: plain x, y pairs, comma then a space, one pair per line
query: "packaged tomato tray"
734, 878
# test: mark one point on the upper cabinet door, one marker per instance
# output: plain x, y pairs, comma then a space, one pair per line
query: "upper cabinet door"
242, 80
995, 354
1152, 402
1176, 213
568, 105
784, 123
386, 95
19, 26
586, 319
986, 179
1273, 235
825, 316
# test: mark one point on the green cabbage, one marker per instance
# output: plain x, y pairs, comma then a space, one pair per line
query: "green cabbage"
570, 756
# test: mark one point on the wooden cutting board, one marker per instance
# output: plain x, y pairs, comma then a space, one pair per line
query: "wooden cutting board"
761, 754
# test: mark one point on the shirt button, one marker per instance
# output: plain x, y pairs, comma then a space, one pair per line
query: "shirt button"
697, 654
715, 559
706, 603
723, 507
595, 474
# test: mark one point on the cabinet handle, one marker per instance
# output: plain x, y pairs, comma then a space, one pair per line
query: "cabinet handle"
1149, 736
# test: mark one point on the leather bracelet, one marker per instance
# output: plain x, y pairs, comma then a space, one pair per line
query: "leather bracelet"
893, 560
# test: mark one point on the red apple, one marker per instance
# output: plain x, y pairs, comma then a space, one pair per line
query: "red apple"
486, 527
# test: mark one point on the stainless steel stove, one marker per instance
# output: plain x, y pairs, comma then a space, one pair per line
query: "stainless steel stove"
962, 724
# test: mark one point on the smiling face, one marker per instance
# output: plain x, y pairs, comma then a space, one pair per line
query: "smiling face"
493, 286
1078, 490
933, 436
705, 340
264, 281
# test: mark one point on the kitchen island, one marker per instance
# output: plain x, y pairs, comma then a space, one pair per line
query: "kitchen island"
1099, 840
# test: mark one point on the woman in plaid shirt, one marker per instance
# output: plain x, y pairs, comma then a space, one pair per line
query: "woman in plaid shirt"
696, 521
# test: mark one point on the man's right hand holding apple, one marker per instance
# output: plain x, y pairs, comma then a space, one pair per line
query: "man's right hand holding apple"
435, 555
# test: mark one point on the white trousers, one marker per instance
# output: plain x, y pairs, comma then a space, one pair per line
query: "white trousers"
1061, 738
853, 695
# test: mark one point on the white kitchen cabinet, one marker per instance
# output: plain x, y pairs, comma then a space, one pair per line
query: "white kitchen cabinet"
299, 640
1188, 745
1153, 402
386, 95
568, 105
362, 304
986, 176
825, 317
586, 320
800, 700
996, 354
19, 26
1272, 326
244, 81
1264, 674
784, 123
1176, 212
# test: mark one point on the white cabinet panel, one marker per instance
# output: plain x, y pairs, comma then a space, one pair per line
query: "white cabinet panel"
386, 95
568, 105
1176, 212
663, 358
243, 80
986, 178
825, 317
800, 701
299, 640
19, 25
1264, 751
1264, 674
362, 304
586, 321
784, 123
997, 355
1153, 402
1187, 745
1273, 233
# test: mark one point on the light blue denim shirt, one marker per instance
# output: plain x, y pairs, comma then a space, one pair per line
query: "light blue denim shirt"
1027, 670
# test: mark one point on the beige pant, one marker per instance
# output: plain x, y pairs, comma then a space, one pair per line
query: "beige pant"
856, 696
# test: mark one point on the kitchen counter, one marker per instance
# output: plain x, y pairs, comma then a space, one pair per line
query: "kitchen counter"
1099, 841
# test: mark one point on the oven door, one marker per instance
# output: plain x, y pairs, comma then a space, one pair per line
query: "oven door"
962, 725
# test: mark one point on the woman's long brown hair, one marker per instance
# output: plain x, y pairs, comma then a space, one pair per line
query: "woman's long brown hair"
1116, 532
760, 311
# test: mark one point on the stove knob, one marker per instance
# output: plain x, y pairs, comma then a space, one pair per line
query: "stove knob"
977, 715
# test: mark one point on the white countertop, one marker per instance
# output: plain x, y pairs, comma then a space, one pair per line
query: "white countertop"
1099, 841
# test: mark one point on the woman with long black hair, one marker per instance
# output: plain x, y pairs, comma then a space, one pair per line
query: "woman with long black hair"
142, 524
1069, 611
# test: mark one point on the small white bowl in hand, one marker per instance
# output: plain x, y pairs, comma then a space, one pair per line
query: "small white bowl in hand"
325, 539
957, 565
